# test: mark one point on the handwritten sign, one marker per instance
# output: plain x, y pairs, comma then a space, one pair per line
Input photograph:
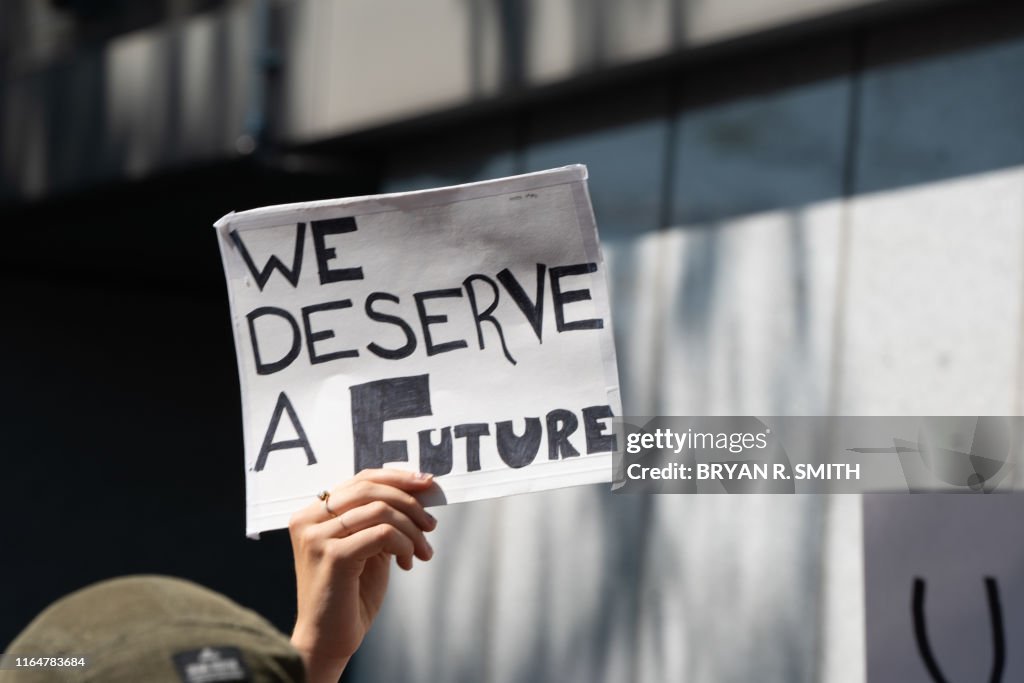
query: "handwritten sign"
462, 331
944, 587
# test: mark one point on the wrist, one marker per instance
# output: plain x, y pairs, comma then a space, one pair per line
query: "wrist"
321, 667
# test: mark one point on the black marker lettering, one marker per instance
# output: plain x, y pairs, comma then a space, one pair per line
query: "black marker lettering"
561, 298
597, 440
436, 459
561, 424
518, 451
427, 320
472, 433
479, 317
313, 337
284, 406
373, 404
325, 254
274, 263
293, 353
403, 351
533, 310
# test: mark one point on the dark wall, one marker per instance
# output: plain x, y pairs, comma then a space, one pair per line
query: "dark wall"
121, 450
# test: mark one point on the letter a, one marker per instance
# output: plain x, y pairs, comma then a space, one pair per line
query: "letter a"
284, 405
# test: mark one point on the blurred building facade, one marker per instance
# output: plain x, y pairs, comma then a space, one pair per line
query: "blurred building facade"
808, 207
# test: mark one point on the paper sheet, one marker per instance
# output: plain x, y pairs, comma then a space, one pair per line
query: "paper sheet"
463, 331
944, 587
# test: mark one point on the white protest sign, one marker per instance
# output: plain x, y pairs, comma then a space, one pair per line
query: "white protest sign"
462, 331
944, 587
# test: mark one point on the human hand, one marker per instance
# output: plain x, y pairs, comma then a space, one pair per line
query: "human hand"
342, 561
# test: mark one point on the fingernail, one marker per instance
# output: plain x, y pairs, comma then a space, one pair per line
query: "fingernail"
430, 548
425, 476
432, 518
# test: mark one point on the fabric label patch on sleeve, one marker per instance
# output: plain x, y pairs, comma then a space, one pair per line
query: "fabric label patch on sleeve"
211, 665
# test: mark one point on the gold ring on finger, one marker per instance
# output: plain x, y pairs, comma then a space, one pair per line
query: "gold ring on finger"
325, 496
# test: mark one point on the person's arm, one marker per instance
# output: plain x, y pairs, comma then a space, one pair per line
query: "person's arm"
341, 562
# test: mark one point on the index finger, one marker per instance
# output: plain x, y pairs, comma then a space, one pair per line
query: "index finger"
401, 479
409, 482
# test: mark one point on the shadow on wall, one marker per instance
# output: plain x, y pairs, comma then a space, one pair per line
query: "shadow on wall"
754, 224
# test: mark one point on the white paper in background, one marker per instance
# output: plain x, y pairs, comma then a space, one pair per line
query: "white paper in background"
944, 587
331, 313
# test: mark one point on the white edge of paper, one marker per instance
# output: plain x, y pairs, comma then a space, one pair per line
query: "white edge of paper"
267, 216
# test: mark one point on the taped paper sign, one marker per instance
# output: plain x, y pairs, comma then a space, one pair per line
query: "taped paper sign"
462, 331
